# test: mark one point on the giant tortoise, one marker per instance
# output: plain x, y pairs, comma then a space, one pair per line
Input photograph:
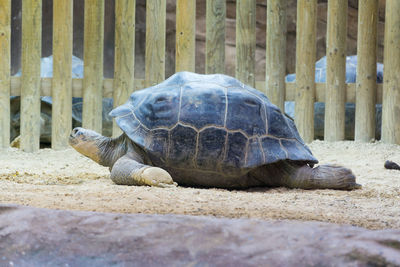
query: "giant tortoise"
207, 131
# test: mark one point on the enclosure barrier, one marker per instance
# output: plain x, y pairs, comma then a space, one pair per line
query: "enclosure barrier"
305, 91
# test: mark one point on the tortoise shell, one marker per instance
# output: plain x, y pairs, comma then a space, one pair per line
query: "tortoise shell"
209, 122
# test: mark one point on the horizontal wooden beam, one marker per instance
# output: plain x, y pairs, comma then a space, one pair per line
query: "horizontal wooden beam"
320, 91
77, 85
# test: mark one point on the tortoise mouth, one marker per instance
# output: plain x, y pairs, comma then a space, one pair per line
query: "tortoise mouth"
81, 135
76, 131
84, 141
74, 136
72, 140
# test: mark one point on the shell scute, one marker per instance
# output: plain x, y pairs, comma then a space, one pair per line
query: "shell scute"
272, 149
182, 147
279, 124
236, 150
297, 151
240, 105
158, 109
211, 148
202, 107
158, 145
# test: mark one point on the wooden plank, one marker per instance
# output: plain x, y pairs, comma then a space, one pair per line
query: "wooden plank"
77, 86
391, 85
320, 89
335, 93
185, 35
124, 69
366, 70
215, 36
62, 74
305, 67
155, 42
93, 67
5, 82
30, 79
246, 41
275, 68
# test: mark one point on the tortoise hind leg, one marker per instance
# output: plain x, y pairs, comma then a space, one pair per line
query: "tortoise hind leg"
322, 177
128, 171
299, 175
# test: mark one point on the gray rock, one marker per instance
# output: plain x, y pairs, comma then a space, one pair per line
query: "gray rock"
41, 237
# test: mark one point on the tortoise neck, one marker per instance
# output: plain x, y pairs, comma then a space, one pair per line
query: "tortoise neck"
111, 149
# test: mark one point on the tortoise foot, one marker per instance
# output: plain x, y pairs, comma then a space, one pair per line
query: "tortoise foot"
155, 176
325, 177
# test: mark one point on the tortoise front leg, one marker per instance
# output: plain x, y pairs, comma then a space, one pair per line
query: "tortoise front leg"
128, 171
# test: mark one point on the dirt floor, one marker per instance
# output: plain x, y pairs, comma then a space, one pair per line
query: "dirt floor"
67, 180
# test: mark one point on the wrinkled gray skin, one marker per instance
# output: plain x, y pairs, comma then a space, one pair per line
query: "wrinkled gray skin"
129, 165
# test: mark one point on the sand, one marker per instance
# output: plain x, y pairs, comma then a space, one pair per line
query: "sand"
66, 180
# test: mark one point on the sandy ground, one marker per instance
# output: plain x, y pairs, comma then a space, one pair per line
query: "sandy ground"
67, 180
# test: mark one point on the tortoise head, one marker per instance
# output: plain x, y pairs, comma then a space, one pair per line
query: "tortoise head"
86, 142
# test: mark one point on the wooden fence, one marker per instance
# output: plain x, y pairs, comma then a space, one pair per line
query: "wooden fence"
30, 86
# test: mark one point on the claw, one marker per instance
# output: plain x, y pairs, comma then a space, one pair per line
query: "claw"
155, 176
163, 185
355, 186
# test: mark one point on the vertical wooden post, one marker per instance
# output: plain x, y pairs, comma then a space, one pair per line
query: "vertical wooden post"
93, 65
215, 36
275, 68
30, 84
366, 70
391, 85
124, 69
5, 80
305, 67
155, 42
335, 95
185, 35
246, 41
62, 74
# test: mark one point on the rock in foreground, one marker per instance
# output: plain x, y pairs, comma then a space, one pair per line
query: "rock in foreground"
41, 237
